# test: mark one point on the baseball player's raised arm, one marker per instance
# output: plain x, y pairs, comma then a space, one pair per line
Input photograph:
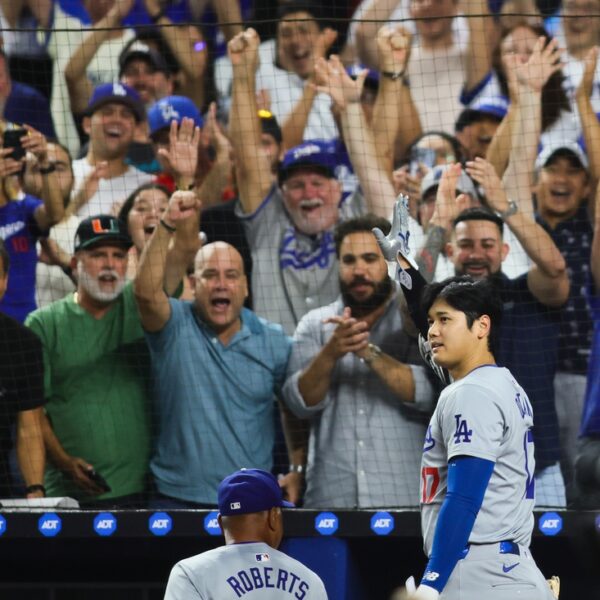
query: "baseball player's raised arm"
252, 165
151, 298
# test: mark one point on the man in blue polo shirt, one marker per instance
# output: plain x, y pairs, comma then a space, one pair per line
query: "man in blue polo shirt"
217, 368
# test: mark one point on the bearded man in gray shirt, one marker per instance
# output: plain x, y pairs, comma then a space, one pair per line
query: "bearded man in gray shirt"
357, 375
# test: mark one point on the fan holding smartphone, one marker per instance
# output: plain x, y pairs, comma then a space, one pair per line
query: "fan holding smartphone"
23, 217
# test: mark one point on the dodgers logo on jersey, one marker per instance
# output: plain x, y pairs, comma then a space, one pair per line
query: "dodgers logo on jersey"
160, 523
105, 524
462, 430
550, 523
326, 523
49, 524
382, 523
211, 523
2, 525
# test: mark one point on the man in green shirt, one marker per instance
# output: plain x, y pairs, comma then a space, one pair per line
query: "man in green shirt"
96, 375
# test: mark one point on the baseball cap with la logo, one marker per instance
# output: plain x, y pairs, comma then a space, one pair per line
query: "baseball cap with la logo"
116, 93
101, 230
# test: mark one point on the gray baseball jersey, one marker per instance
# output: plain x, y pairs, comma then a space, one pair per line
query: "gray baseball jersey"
232, 571
486, 415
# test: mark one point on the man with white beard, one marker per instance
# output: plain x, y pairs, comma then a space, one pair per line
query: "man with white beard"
96, 375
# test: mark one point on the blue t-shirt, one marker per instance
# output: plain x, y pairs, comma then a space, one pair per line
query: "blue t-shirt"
529, 349
214, 403
19, 231
590, 422
26, 105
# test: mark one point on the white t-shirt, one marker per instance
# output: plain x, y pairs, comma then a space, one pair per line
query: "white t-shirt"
51, 282
111, 192
285, 89
67, 35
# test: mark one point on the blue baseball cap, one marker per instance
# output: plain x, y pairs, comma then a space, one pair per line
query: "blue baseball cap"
494, 108
317, 155
118, 93
249, 491
172, 108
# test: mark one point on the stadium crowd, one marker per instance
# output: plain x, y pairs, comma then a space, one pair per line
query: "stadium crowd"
188, 193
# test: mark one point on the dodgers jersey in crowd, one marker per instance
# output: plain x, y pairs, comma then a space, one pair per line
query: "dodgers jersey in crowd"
236, 570
486, 414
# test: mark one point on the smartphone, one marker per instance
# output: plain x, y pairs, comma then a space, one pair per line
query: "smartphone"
98, 480
12, 139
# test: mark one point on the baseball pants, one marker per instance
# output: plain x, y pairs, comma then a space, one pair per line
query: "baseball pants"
499, 571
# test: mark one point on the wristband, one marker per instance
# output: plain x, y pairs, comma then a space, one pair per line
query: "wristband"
512, 209
394, 75
297, 469
35, 487
47, 170
374, 352
168, 227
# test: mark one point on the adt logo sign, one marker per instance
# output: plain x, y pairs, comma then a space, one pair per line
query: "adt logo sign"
2, 525
211, 525
160, 523
326, 523
550, 523
105, 524
49, 524
382, 523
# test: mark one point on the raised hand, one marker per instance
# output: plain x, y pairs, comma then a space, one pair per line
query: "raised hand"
182, 206
447, 205
483, 172
243, 52
397, 239
181, 157
121, 8
331, 78
542, 64
213, 133
393, 45
323, 42
35, 142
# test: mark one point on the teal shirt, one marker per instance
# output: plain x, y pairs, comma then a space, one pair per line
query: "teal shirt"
214, 404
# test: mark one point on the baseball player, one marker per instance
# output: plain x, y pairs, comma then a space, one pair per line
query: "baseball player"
477, 486
250, 503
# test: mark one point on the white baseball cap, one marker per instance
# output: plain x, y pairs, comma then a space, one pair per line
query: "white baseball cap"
568, 147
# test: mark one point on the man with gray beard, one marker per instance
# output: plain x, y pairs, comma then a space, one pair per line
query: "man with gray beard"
96, 375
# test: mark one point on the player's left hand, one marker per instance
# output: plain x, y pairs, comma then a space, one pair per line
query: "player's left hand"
181, 157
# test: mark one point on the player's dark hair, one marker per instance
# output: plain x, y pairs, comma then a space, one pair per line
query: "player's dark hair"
4, 257
473, 298
128, 204
358, 225
480, 213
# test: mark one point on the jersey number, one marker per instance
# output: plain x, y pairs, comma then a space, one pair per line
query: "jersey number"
528, 449
431, 481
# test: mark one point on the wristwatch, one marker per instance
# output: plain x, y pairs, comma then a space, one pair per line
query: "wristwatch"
512, 209
373, 352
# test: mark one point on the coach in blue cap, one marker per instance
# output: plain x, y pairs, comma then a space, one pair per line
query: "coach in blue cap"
250, 503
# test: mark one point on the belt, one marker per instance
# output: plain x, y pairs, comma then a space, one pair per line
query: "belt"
505, 547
